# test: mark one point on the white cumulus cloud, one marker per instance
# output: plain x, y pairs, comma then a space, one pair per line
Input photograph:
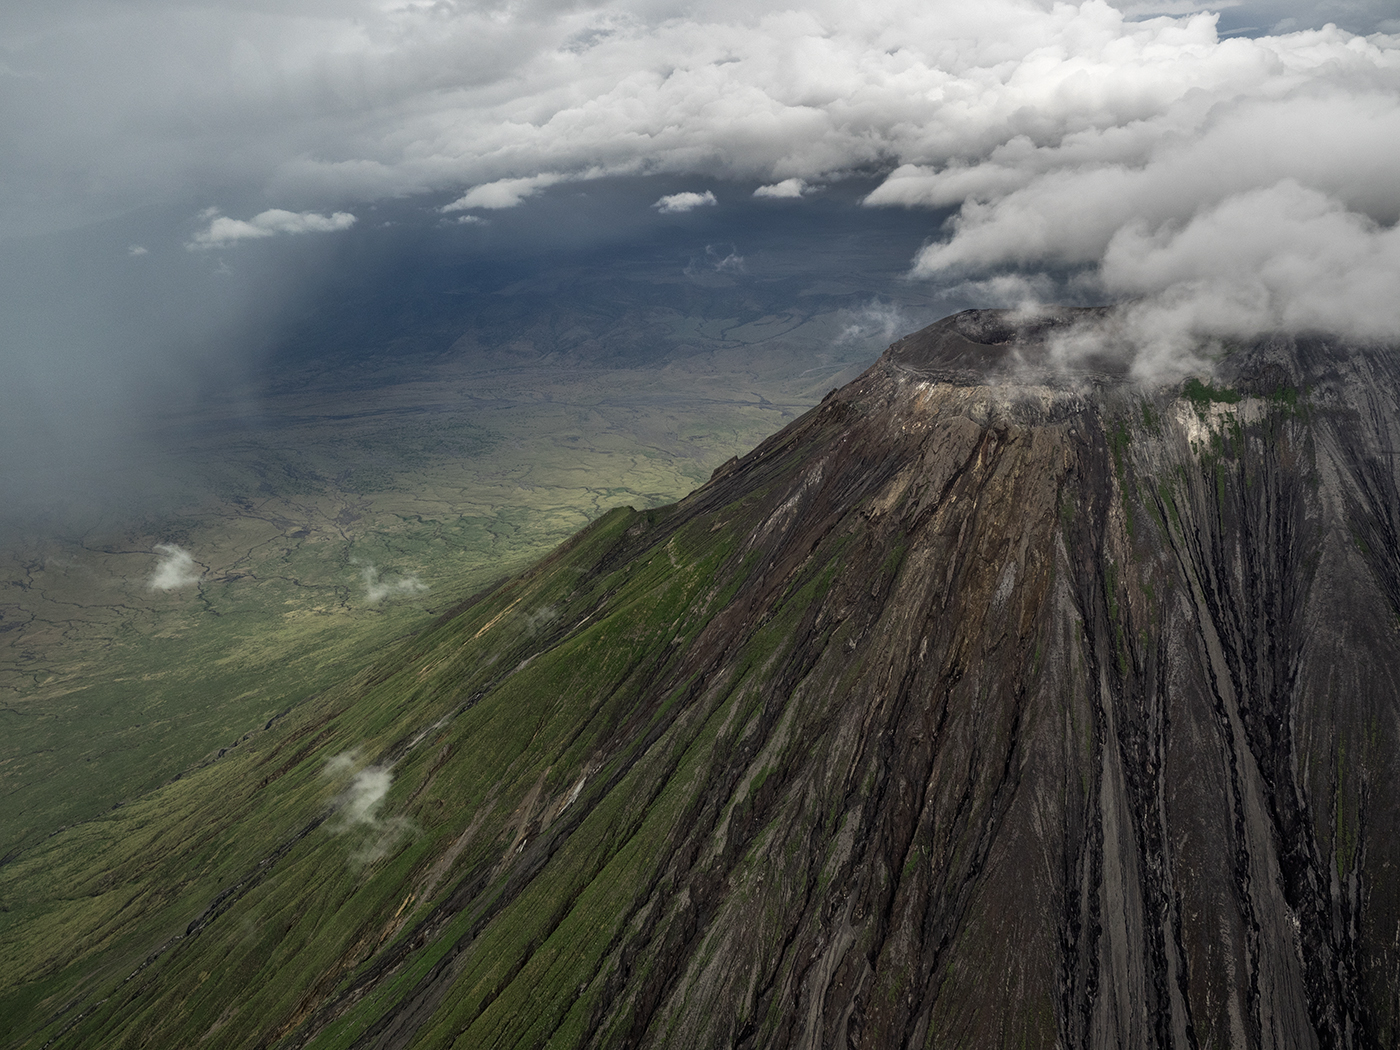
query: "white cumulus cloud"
1086, 144
503, 193
223, 230
686, 201
788, 188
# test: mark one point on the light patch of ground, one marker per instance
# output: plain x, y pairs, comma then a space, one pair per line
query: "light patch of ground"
1199, 424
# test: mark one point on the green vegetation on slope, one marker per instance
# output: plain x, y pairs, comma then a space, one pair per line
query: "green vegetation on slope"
334, 879
462, 723
455, 470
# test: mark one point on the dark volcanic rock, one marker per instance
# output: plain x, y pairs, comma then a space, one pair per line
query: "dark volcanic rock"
986, 705
1103, 694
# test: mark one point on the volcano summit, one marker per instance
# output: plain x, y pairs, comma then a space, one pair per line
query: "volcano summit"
988, 704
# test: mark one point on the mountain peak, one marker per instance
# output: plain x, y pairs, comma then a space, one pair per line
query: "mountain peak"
986, 346
961, 712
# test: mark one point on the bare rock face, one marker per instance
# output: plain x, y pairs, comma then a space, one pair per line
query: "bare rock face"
989, 704
1089, 738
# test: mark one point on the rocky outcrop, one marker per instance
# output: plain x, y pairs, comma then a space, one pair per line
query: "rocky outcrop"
992, 703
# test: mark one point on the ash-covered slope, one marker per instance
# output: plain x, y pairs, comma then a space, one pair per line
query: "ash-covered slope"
986, 705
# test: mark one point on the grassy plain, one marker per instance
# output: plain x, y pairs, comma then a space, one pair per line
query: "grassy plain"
448, 469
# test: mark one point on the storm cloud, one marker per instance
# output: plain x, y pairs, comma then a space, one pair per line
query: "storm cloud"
314, 105
1224, 170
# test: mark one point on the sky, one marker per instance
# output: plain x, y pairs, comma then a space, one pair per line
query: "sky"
183, 178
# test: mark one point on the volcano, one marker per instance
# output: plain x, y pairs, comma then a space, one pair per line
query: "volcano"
995, 702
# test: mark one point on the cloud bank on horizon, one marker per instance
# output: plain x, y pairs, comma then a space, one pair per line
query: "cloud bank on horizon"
1227, 182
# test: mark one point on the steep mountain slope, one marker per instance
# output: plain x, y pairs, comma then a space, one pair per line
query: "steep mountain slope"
988, 704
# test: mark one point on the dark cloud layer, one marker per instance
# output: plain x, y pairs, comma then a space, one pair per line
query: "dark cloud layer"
1227, 169
318, 106
110, 354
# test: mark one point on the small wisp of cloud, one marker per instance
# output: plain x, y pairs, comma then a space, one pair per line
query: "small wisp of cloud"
378, 588
174, 569
1020, 292
875, 320
362, 799
716, 259
1157, 349
674, 203
338, 765
357, 807
540, 619
222, 230
724, 262
137, 249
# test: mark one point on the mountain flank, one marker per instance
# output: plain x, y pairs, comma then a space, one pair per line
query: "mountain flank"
992, 703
